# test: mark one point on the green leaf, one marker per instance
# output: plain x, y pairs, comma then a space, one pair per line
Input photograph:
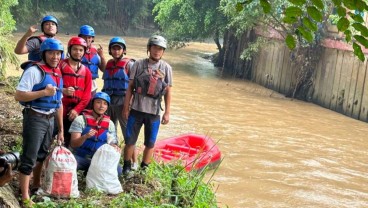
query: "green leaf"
341, 11
361, 28
318, 3
309, 24
347, 35
362, 40
358, 51
361, 5
290, 41
289, 20
314, 13
306, 34
266, 6
356, 17
239, 7
293, 11
343, 24
297, 2
337, 2
350, 4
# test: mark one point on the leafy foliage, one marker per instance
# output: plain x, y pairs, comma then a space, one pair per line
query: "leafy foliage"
303, 17
170, 186
184, 20
7, 25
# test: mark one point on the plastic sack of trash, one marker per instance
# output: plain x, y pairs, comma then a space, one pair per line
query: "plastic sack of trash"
102, 173
61, 179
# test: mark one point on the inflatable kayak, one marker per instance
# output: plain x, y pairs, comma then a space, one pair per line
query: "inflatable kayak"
194, 151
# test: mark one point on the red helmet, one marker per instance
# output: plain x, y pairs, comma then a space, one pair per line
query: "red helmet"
77, 41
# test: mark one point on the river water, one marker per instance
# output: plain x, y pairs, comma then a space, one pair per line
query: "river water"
277, 152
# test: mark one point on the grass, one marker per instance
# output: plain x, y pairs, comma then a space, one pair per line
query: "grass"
159, 185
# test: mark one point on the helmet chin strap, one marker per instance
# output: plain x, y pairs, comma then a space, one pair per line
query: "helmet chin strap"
99, 115
74, 59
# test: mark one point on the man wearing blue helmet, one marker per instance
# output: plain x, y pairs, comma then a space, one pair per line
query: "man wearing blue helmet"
94, 58
116, 79
39, 92
31, 44
91, 130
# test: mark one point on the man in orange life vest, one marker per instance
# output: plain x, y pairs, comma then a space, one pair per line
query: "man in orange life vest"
149, 80
77, 83
31, 44
39, 92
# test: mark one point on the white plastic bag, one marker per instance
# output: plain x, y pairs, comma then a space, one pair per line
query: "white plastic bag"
61, 174
102, 173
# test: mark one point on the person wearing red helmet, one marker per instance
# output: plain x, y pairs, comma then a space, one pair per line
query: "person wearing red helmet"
31, 44
77, 83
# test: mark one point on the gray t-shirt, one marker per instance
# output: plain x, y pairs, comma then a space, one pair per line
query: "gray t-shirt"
79, 124
144, 103
33, 45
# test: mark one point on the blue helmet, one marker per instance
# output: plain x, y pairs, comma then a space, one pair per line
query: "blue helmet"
48, 18
118, 41
87, 30
51, 44
103, 96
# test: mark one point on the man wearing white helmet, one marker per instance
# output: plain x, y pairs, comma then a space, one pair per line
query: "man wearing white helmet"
150, 80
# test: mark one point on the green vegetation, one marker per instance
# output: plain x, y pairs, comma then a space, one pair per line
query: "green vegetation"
158, 186
7, 25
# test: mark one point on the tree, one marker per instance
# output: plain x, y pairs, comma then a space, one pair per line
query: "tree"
7, 25
305, 16
186, 20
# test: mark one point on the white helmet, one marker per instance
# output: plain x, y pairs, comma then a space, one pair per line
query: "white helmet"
157, 40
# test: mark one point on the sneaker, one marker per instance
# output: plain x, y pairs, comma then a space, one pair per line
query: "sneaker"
135, 166
127, 167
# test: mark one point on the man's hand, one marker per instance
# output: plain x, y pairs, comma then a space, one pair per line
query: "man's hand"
60, 137
91, 133
50, 90
69, 91
31, 30
100, 51
72, 115
165, 118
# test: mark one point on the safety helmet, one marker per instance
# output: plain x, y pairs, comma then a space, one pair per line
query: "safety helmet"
157, 40
48, 18
117, 41
87, 31
103, 96
51, 44
77, 41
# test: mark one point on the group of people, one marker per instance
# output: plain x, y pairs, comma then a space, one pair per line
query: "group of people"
60, 91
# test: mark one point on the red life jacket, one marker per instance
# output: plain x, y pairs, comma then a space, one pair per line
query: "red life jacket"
116, 77
91, 60
90, 146
75, 80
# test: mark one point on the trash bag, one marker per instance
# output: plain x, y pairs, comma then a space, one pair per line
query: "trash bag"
61, 179
102, 173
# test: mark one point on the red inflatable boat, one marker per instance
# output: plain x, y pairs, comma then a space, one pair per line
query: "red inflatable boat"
195, 151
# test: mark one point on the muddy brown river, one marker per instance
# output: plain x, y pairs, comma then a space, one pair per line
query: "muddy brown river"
277, 152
